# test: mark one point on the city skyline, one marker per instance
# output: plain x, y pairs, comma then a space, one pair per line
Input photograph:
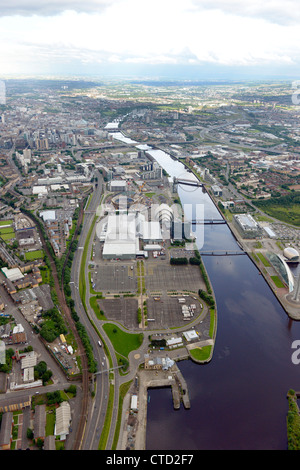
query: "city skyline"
179, 39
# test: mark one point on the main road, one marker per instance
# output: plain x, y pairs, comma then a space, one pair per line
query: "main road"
100, 382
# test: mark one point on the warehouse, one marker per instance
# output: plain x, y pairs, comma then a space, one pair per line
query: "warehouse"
118, 185
121, 241
134, 403
152, 232
247, 226
63, 419
40, 190
13, 274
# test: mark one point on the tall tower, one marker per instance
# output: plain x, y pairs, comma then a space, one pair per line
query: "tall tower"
296, 291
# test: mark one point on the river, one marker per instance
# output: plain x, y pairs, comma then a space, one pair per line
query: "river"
238, 400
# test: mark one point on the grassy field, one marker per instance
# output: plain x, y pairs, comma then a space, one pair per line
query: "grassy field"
201, 354
7, 236
293, 422
123, 342
291, 214
263, 259
6, 222
31, 255
284, 208
7, 233
277, 281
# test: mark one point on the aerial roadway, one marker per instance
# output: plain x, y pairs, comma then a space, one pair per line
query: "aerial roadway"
96, 415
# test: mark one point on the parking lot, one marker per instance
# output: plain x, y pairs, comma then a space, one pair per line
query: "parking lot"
162, 276
114, 277
123, 310
167, 311
156, 278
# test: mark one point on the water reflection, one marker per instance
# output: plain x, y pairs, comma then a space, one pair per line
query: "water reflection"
238, 400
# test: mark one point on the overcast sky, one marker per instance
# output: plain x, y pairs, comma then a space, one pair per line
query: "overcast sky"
193, 38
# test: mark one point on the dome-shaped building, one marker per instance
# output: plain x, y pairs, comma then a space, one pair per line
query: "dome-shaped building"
291, 255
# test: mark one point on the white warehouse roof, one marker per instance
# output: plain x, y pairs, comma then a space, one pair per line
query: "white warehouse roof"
189, 335
152, 231
63, 419
13, 274
39, 190
48, 215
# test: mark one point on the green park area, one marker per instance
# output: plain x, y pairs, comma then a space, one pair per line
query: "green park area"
284, 208
277, 281
32, 255
6, 222
293, 421
201, 354
6, 233
264, 261
122, 341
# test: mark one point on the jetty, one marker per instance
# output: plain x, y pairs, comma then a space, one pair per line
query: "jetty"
134, 435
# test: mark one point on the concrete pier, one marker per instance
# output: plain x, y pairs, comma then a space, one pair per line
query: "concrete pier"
134, 436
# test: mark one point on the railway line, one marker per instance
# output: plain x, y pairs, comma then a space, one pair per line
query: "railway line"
69, 320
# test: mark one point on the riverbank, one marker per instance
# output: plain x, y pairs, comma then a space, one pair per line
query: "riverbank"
151, 374
253, 350
282, 294
136, 403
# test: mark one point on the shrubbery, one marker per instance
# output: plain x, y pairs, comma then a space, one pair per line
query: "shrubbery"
179, 261
207, 298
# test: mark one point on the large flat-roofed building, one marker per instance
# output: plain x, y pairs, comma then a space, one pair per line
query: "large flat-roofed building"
13, 274
247, 226
152, 232
124, 232
117, 185
121, 240
6, 431
63, 420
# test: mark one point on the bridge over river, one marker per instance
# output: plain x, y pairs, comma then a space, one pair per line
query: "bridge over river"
208, 221
222, 253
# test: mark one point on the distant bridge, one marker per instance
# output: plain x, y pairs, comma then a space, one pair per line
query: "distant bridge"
222, 253
208, 221
187, 182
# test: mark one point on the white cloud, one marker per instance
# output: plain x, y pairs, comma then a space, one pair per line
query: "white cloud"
50, 7
225, 32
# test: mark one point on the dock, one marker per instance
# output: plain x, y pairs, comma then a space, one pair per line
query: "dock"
152, 379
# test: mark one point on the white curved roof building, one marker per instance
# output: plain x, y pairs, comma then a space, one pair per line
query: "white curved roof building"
164, 214
290, 254
282, 269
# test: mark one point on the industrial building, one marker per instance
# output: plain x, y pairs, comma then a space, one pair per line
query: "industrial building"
63, 420
247, 226
164, 214
124, 233
13, 274
181, 230
117, 185
217, 191
121, 241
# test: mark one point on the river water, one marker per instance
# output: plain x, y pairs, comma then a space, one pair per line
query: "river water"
238, 400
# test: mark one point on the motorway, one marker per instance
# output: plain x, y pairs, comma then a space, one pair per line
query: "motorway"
100, 382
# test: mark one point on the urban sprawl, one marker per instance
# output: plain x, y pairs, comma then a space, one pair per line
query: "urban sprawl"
102, 286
